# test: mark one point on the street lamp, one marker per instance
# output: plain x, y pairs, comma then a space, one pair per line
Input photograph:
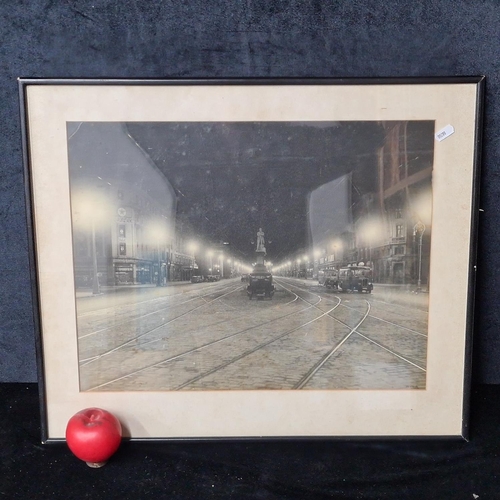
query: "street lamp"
210, 255
336, 247
422, 213
221, 264
418, 230
193, 248
157, 235
90, 209
371, 231
316, 256
96, 289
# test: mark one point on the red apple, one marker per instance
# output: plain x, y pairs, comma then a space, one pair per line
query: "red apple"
93, 435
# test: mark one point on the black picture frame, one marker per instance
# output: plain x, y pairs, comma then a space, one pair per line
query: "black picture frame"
50, 106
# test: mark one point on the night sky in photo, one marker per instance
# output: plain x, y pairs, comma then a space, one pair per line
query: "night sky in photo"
232, 178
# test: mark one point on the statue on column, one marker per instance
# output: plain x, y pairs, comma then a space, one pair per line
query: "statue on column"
260, 241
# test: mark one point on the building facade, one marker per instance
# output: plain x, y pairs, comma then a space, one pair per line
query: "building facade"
123, 210
389, 227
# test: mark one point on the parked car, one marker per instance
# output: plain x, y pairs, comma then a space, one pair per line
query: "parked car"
196, 279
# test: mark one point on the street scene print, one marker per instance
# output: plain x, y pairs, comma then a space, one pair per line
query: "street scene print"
251, 255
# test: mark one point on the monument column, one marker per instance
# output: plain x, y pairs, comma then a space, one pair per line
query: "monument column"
260, 253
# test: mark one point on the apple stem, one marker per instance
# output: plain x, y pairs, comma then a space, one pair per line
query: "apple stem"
96, 465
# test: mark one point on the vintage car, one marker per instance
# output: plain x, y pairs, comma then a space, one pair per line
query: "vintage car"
197, 279
213, 277
244, 277
260, 285
329, 278
355, 279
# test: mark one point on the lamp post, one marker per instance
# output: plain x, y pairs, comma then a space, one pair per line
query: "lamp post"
370, 233
158, 281
334, 248
418, 230
157, 235
317, 254
96, 289
305, 258
193, 248
91, 211
209, 255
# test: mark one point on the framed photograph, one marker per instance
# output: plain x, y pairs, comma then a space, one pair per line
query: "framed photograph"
254, 258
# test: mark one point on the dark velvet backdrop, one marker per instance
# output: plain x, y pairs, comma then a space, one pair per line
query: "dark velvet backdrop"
324, 469
228, 38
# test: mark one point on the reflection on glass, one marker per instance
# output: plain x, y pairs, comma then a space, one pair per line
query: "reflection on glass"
170, 221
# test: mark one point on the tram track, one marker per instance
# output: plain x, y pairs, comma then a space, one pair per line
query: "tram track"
84, 362
151, 313
373, 298
403, 358
251, 351
314, 370
256, 326
218, 341
312, 293
113, 309
261, 346
410, 330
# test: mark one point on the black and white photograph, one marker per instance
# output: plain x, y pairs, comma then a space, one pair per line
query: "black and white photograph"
258, 255
251, 250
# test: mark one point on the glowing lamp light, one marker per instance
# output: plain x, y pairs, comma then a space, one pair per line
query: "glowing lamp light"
193, 246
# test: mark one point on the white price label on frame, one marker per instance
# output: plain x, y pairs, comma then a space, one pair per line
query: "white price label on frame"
444, 133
